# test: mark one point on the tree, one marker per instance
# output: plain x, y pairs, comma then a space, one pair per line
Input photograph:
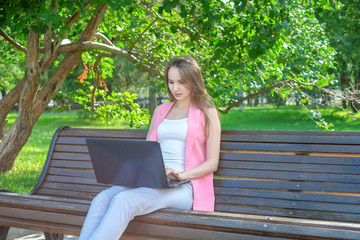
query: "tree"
240, 45
343, 30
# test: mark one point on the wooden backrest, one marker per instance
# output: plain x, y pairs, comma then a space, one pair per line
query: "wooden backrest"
68, 169
313, 175
304, 174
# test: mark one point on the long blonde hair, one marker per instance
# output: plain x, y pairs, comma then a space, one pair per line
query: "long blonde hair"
191, 74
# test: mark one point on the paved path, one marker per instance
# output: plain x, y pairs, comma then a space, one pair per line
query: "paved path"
23, 234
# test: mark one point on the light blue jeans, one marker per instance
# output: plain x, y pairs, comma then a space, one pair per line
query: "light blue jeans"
112, 209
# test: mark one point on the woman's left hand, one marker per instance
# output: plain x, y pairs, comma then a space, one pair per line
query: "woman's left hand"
174, 175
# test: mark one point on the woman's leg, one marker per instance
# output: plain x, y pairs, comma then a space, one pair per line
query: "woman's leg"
98, 208
139, 201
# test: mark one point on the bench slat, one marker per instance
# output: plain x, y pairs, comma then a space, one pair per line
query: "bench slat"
318, 137
283, 147
302, 196
38, 225
71, 140
281, 212
46, 216
239, 224
294, 204
71, 156
296, 176
177, 232
45, 204
294, 167
71, 172
66, 194
71, 187
289, 185
259, 157
71, 148
74, 180
108, 133
74, 164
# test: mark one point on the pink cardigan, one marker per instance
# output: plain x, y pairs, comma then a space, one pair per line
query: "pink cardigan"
195, 154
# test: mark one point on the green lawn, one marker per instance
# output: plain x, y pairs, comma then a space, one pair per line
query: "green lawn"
287, 118
29, 162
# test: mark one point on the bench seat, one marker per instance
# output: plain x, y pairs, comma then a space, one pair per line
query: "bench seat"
64, 215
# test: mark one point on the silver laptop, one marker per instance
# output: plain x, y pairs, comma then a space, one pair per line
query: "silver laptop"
124, 162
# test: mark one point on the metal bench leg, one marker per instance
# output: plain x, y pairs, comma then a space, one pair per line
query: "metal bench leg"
4, 232
53, 236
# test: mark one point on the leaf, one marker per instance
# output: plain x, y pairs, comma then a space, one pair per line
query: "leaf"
286, 25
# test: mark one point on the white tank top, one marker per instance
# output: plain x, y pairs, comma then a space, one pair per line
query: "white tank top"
172, 137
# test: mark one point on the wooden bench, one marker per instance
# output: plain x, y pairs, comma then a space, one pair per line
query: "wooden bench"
269, 185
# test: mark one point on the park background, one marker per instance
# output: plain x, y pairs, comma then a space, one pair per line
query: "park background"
269, 65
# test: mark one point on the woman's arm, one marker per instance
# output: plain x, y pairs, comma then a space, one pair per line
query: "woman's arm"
152, 123
212, 152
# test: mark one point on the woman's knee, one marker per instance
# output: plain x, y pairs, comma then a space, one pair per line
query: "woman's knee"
100, 199
105, 196
124, 204
122, 199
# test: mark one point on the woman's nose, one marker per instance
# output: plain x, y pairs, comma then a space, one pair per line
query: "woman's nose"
176, 86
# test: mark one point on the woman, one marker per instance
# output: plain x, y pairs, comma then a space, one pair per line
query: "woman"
188, 130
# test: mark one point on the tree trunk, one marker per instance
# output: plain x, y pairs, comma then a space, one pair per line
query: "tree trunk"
356, 105
344, 85
256, 101
34, 102
152, 96
20, 131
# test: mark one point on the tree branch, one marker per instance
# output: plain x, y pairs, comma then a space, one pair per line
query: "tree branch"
50, 88
73, 19
293, 82
26, 102
49, 47
253, 95
12, 41
140, 36
113, 50
103, 38
184, 30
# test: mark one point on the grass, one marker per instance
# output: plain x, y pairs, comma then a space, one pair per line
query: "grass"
287, 118
30, 161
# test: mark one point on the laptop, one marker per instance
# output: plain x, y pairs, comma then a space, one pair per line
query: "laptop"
133, 163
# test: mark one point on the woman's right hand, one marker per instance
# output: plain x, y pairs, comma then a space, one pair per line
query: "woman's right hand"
174, 175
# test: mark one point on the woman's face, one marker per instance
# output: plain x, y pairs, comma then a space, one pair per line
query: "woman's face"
178, 87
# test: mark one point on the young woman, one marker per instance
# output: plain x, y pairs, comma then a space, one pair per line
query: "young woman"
188, 130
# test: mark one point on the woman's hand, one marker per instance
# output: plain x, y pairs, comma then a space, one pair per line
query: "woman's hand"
174, 175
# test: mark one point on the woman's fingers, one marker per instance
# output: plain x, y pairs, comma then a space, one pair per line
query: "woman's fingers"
172, 174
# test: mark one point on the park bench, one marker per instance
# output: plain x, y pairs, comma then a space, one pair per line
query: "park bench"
269, 185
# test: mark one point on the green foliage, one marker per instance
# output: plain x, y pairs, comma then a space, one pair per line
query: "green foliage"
343, 30
242, 46
10, 74
107, 107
